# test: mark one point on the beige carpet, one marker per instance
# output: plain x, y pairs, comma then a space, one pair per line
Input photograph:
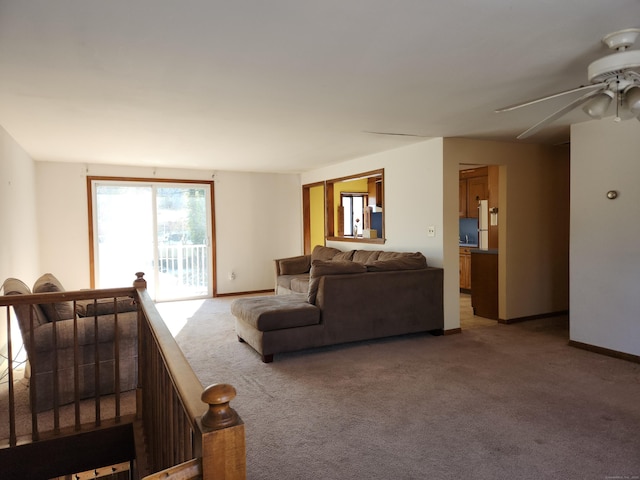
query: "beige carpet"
495, 402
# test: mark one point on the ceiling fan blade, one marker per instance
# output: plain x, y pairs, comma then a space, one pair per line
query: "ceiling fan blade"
549, 97
554, 116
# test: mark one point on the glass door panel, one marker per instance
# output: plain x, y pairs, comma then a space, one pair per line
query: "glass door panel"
124, 236
183, 242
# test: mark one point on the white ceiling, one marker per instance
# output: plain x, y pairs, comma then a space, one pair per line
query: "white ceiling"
286, 85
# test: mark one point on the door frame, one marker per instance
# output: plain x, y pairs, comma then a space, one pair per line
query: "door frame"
212, 241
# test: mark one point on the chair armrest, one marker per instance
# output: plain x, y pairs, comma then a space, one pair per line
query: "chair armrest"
105, 306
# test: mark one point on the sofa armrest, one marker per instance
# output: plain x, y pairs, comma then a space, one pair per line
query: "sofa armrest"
293, 265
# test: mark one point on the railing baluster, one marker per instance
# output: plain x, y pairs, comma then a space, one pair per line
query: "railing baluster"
56, 376
33, 389
97, 363
12, 404
76, 369
116, 357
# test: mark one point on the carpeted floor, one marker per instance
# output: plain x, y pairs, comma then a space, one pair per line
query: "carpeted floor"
495, 402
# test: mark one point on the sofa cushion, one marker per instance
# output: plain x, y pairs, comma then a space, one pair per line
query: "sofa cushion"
105, 306
321, 252
320, 268
283, 282
54, 311
294, 265
343, 256
276, 312
300, 284
365, 256
401, 261
13, 286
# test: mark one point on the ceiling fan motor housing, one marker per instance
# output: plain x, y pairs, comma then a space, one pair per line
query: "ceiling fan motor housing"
617, 63
613, 65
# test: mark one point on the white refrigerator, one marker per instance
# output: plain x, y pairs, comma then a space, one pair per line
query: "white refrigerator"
483, 225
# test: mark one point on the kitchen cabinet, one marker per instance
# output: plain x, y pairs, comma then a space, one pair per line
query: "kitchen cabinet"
477, 188
473, 187
462, 198
484, 283
465, 269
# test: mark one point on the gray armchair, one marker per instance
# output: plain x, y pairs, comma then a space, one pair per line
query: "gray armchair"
48, 336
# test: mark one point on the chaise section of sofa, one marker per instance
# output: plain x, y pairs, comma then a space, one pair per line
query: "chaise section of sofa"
355, 295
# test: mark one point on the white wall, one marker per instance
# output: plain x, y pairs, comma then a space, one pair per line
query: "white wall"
258, 218
18, 219
414, 199
18, 229
605, 235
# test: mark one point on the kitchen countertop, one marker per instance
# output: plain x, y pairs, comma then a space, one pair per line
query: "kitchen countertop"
471, 245
491, 251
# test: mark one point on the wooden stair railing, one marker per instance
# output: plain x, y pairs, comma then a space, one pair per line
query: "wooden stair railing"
176, 425
172, 424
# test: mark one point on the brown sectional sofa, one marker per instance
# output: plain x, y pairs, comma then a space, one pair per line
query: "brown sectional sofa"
332, 297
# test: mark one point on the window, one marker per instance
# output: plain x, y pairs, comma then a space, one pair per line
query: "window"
162, 228
353, 213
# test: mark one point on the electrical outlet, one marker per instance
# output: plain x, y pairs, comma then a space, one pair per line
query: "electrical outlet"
431, 232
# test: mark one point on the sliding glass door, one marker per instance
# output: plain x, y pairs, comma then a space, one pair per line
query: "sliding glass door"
162, 229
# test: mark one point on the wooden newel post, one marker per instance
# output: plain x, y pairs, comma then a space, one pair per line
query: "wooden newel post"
220, 413
223, 441
140, 282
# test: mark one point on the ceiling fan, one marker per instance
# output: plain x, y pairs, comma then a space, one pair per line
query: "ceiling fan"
612, 77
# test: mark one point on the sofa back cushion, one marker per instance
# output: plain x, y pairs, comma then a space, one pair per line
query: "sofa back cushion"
343, 256
397, 261
320, 268
54, 311
320, 252
365, 256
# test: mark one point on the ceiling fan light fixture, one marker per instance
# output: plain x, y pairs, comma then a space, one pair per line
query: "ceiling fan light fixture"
598, 105
632, 99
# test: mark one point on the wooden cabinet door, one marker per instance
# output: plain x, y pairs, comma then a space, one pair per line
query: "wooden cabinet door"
465, 269
477, 189
462, 198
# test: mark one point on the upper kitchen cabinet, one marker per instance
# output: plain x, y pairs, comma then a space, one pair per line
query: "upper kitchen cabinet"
473, 187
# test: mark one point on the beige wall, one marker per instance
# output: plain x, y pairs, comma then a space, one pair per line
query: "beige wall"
421, 189
414, 199
533, 222
605, 256
258, 218
19, 229
18, 216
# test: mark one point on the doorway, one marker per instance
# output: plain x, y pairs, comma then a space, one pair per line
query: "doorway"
162, 228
